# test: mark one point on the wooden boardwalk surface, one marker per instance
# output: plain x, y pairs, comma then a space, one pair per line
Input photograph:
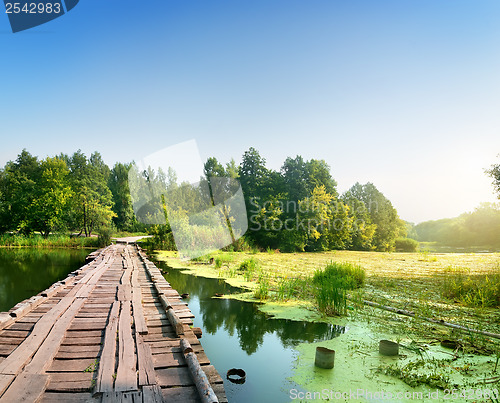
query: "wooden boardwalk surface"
112, 331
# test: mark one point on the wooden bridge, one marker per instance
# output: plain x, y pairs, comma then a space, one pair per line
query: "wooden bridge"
112, 331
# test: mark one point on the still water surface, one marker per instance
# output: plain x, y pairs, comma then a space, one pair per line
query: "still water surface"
237, 335
25, 272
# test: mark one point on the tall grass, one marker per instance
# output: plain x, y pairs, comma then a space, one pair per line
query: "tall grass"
481, 290
53, 241
330, 285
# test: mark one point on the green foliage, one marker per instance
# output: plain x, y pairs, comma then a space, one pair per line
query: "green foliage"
162, 238
263, 288
381, 213
420, 372
473, 290
349, 276
52, 241
223, 259
478, 228
330, 286
119, 186
92, 204
249, 265
406, 245
104, 238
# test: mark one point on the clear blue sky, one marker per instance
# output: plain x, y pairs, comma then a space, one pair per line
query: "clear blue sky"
402, 93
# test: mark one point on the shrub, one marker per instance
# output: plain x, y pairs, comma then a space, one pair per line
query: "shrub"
249, 265
406, 245
104, 238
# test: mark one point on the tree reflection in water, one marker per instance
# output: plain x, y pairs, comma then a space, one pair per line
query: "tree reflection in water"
244, 318
25, 272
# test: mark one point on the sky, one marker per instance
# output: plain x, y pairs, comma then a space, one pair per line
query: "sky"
401, 93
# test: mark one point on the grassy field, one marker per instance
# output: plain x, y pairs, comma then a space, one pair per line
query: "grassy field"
461, 288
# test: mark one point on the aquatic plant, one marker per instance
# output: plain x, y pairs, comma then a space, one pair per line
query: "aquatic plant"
249, 265
330, 285
480, 290
262, 291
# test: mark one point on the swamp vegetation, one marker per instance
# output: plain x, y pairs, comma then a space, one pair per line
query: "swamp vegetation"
462, 289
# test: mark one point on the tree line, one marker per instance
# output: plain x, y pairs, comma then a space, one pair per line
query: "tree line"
66, 193
479, 228
296, 208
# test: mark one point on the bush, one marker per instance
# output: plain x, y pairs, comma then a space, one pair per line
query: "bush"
249, 265
406, 245
104, 238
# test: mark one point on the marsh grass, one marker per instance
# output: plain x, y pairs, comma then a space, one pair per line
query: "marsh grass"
263, 288
223, 259
52, 241
330, 286
479, 290
292, 288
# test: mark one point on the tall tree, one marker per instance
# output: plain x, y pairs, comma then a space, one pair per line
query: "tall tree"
52, 196
388, 224
93, 200
119, 186
18, 191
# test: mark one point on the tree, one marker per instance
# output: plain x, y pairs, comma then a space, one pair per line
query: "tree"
382, 214
93, 201
19, 180
119, 186
494, 173
326, 220
52, 196
363, 230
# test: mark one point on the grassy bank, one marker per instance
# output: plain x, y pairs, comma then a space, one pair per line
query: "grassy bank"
52, 241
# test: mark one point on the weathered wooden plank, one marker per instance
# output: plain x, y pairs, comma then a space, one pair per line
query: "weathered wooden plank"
5, 381
16, 361
14, 333
122, 397
71, 355
75, 365
83, 341
124, 292
146, 370
18, 392
152, 394
186, 394
220, 392
5, 320
88, 333
6, 349
139, 320
175, 359
67, 398
88, 326
11, 340
106, 369
75, 349
126, 379
50, 345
